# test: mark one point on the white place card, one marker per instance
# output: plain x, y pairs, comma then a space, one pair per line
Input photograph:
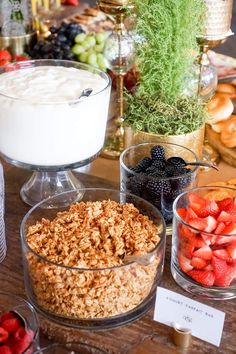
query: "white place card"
173, 309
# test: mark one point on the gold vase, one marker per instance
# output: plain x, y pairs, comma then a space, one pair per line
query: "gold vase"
193, 141
19, 45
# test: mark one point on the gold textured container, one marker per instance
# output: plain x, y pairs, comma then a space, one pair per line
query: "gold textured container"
19, 44
218, 18
194, 140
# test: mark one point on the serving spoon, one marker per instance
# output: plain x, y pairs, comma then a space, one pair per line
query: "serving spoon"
85, 93
182, 163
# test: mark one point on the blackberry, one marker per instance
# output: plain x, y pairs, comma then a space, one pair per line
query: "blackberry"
175, 161
185, 181
135, 184
170, 171
154, 187
158, 187
165, 187
144, 163
160, 164
157, 152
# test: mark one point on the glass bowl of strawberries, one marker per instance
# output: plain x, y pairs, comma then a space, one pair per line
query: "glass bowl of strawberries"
18, 325
203, 259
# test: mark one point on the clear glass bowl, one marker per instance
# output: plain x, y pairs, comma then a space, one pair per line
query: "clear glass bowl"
93, 297
160, 191
70, 348
203, 262
54, 133
26, 313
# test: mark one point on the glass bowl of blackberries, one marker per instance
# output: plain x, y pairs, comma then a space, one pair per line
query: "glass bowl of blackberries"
158, 172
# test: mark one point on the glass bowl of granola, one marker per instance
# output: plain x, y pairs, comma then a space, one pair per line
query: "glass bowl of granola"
96, 264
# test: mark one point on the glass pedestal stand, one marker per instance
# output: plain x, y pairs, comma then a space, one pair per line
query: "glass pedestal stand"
42, 185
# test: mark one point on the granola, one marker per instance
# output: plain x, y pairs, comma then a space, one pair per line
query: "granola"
86, 245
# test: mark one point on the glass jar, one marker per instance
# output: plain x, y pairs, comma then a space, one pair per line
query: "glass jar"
24, 311
152, 183
203, 259
87, 296
15, 18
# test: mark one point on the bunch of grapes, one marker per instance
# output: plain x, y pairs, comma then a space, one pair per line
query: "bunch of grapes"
88, 48
58, 44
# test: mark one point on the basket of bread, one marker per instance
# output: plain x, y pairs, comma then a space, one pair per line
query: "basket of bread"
221, 127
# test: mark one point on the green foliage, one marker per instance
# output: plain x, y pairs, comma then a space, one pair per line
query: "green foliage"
149, 114
164, 59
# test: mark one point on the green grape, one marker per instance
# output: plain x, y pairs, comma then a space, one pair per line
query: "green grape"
92, 59
101, 37
83, 57
101, 61
91, 40
86, 43
98, 48
80, 38
77, 49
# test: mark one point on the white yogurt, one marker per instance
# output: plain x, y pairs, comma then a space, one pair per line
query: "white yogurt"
41, 123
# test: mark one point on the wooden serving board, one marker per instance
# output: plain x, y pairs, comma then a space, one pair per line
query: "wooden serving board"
227, 154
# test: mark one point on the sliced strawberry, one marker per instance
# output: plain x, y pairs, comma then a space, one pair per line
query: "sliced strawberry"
195, 201
221, 253
226, 279
198, 263
203, 207
182, 213
198, 223
3, 335
226, 217
19, 58
209, 267
226, 204
187, 234
204, 277
11, 325
4, 349
219, 228
211, 224
203, 252
187, 249
209, 209
198, 241
5, 57
184, 263
220, 266
190, 214
209, 239
231, 250
222, 240
230, 229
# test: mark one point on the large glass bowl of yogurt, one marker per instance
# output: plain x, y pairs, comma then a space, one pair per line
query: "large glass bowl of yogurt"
48, 124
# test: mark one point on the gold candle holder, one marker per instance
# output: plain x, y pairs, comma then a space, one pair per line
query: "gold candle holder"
215, 32
119, 61
216, 29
